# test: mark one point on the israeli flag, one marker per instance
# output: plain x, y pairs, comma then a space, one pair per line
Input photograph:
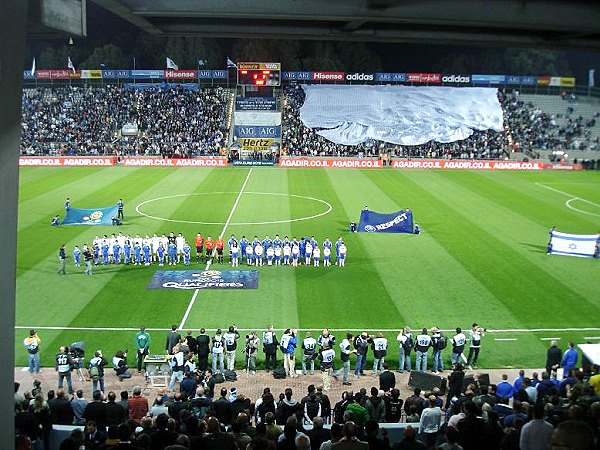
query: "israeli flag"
230, 63
581, 245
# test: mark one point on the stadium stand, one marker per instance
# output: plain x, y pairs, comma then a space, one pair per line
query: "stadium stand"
89, 121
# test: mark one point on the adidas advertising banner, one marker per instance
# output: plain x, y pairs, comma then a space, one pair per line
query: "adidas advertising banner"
204, 279
582, 245
95, 216
397, 222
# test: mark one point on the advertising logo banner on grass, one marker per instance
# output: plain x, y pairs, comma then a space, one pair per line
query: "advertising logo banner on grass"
204, 279
252, 162
581, 245
346, 163
94, 216
465, 164
60, 161
396, 222
162, 162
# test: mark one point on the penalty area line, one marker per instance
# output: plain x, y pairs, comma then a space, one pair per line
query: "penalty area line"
233, 208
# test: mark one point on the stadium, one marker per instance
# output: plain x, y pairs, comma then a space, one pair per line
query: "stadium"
454, 210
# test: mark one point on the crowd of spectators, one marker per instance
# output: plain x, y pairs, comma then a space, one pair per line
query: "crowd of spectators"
530, 130
173, 122
527, 413
533, 129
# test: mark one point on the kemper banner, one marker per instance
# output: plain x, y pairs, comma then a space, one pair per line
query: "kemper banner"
396, 222
204, 279
94, 216
60, 161
581, 245
160, 162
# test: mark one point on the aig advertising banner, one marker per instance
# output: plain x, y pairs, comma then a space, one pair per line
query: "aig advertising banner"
297, 76
391, 77
257, 131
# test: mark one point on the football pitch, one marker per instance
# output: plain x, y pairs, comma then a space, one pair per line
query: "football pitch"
481, 256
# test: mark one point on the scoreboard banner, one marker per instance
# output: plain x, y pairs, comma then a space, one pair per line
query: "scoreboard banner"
255, 104
259, 66
257, 145
253, 118
257, 131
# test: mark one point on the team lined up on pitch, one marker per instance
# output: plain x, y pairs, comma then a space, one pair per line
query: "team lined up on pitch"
173, 250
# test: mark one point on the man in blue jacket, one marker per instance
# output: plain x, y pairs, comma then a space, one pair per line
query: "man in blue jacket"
288, 345
569, 359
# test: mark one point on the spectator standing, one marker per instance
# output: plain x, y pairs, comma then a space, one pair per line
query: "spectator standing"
64, 364
78, 404
431, 420
569, 360
553, 358
203, 349
270, 344
120, 206
138, 406
32, 344
476, 334
96, 411
173, 338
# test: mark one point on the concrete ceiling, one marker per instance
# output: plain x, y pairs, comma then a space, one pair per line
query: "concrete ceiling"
536, 23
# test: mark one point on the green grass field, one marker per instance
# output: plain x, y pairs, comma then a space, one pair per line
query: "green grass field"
481, 256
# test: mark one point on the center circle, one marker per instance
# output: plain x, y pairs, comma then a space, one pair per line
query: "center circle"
318, 200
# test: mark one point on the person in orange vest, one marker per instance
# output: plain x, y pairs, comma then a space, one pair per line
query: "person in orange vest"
199, 240
219, 245
209, 244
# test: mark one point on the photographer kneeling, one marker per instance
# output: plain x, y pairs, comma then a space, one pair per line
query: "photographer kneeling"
120, 365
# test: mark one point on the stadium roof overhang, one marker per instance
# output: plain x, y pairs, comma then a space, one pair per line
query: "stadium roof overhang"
536, 23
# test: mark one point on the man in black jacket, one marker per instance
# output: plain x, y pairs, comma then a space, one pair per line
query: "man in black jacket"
553, 358
203, 349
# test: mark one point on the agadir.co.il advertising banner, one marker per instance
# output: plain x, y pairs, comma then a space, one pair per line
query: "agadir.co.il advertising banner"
465, 164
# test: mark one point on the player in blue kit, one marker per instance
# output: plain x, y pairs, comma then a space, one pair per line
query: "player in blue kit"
137, 252
313, 242
116, 253
243, 245
172, 253
160, 252
67, 204
338, 243
277, 241
105, 259
96, 254
77, 256
127, 251
327, 243
302, 247
147, 253
286, 241
232, 240
187, 253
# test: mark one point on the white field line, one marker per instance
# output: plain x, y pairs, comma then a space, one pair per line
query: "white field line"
389, 330
591, 337
505, 339
550, 339
573, 197
233, 208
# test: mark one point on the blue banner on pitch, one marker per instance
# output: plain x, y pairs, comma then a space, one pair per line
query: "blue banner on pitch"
397, 222
204, 279
96, 216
